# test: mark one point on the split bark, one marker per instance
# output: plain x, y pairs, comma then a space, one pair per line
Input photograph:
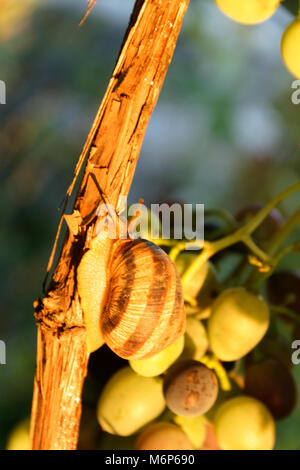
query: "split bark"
110, 154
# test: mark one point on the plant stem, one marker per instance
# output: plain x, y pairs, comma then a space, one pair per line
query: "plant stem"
282, 234
256, 250
213, 363
242, 234
176, 250
256, 278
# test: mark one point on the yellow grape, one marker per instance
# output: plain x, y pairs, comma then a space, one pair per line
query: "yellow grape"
203, 287
159, 363
244, 423
163, 436
18, 439
194, 428
196, 341
290, 48
248, 11
128, 402
239, 319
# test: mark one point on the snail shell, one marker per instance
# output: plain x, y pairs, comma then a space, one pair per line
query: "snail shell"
131, 297
144, 312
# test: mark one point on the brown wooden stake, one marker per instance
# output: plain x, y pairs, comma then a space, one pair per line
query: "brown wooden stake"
111, 154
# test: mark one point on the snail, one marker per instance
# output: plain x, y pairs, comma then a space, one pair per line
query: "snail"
130, 292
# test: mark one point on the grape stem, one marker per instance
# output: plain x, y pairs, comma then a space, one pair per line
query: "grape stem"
213, 363
242, 234
282, 234
176, 250
256, 278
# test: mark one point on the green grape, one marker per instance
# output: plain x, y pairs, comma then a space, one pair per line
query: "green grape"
190, 388
159, 363
223, 396
248, 11
203, 287
244, 423
273, 384
239, 319
194, 428
290, 47
196, 341
19, 439
163, 436
128, 402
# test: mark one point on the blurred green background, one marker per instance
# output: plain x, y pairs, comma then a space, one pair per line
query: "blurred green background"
224, 133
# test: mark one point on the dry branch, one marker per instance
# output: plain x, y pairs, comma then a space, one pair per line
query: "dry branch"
111, 154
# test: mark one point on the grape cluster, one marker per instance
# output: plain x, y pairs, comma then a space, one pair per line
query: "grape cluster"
225, 383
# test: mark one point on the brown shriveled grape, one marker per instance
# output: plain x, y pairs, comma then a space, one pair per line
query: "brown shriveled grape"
276, 348
273, 384
283, 288
190, 388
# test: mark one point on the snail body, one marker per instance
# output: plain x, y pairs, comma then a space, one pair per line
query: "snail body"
92, 281
131, 297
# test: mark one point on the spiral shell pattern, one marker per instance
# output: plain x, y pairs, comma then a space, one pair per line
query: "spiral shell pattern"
144, 310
